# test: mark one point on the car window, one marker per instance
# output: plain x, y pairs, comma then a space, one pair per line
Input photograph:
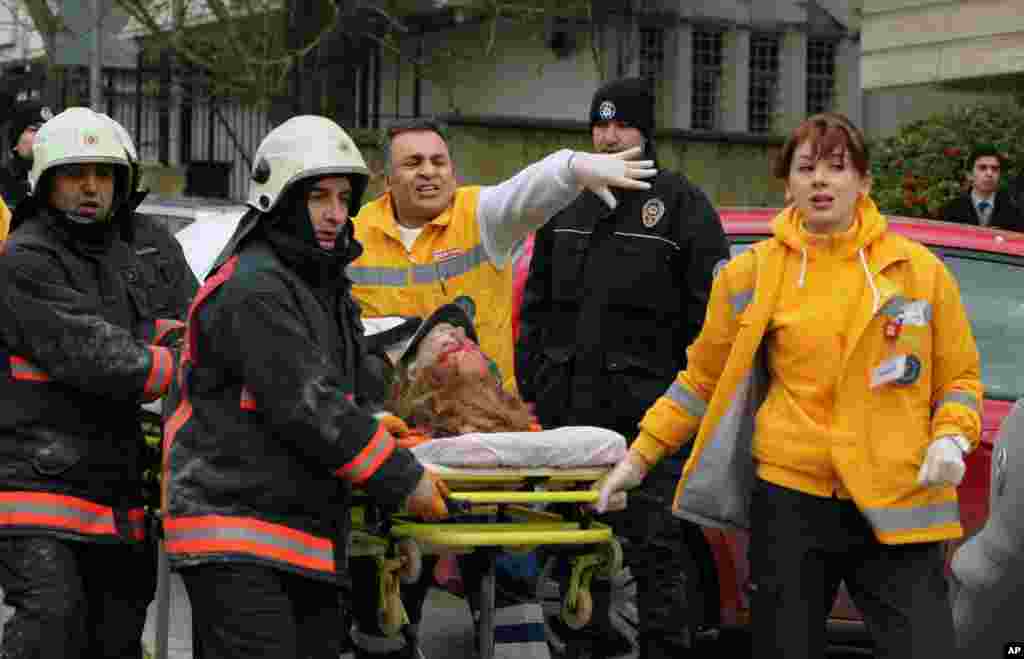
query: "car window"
992, 292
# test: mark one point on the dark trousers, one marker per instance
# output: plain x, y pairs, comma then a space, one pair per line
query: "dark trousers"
75, 599
368, 639
246, 611
654, 550
802, 546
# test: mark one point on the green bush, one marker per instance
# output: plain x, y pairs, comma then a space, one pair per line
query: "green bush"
925, 165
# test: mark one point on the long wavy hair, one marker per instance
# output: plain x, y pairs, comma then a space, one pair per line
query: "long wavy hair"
455, 404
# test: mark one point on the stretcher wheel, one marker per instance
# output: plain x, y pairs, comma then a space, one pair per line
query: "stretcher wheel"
612, 563
580, 615
412, 560
390, 617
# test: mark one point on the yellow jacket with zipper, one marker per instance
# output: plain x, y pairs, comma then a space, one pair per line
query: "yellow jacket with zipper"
464, 251
834, 422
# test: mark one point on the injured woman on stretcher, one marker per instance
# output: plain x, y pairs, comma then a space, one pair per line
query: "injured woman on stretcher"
444, 401
450, 409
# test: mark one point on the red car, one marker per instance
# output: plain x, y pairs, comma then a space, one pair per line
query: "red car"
989, 266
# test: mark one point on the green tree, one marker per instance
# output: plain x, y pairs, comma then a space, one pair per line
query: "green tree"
925, 165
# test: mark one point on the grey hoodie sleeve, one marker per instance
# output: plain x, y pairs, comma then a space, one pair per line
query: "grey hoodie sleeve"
509, 211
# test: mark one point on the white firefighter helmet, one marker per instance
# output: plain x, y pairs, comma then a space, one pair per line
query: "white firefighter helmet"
300, 148
75, 136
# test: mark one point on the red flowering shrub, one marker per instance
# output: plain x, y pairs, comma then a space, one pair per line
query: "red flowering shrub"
925, 165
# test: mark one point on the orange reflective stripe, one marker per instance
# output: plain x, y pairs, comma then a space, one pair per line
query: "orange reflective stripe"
24, 370
223, 274
217, 534
160, 373
163, 326
247, 402
55, 511
360, 468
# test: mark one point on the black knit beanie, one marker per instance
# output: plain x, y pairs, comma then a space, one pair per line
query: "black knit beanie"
29, 114
629, 100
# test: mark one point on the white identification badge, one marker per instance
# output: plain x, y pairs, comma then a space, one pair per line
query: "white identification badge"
889, 371
915, 314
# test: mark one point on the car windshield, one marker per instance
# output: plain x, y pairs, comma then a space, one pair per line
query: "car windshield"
994, 297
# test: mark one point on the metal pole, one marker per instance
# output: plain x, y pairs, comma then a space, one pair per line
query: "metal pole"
96, 58
163, 602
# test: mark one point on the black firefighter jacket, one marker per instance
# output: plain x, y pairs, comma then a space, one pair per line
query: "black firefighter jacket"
612, 301
81, 346
261, 452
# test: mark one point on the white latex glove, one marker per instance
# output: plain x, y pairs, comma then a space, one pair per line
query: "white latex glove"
944, 462
629, 473
599, 171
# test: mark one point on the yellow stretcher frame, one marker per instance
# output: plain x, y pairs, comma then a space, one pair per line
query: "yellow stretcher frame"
506, 494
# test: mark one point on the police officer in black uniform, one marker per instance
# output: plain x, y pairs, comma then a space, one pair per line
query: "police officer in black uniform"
79, 354
612, 300
24, 123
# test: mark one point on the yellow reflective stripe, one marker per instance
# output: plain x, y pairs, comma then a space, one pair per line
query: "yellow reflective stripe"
965, 398
687, 400
447, 269
892, 520
378, 275
741, 300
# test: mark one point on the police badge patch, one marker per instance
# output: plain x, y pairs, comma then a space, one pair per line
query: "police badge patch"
652, 211
607, 110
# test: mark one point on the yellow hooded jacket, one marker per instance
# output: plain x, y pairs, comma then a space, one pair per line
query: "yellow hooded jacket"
837, 318
5, 220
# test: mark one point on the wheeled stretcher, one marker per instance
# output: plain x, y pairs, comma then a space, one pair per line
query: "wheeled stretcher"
513, 504
491, 511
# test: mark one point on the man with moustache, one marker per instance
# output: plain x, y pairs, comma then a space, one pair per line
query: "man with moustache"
427, 240
78, 354
613, 298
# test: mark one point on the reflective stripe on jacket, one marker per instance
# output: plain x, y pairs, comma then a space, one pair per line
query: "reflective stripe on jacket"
66, 515
877, 436
447, 260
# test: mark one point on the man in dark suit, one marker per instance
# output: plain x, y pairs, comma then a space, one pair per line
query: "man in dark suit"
985, 204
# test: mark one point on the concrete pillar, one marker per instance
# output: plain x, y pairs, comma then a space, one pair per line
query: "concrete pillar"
735, 80
792, 82
849, 95
681, 115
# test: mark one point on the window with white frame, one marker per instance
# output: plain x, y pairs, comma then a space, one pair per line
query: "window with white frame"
764, 81
652, 53
707, 79
821, 75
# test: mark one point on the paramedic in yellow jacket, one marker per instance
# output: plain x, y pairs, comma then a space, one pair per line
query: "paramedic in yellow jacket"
872, 400
427, 241
5, 220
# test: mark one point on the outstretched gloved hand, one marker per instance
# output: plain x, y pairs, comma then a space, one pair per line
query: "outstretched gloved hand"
599, 171
629, 473
944, 462
427, 500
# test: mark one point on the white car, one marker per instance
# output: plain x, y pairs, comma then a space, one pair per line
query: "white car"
202, 226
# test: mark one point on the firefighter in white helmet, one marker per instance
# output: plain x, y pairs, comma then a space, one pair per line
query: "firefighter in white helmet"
272, 433
80, 355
